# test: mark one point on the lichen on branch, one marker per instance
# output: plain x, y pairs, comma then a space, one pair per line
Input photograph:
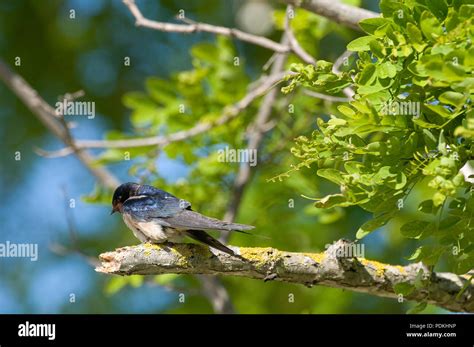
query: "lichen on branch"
446, 290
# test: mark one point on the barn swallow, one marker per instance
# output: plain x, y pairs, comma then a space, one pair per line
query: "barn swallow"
156, 216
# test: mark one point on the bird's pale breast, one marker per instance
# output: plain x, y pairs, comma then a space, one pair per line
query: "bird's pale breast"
151, 230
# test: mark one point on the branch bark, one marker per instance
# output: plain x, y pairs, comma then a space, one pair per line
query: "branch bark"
47, 115
140, 20
229, 113
327, 269
255, 134
347, 15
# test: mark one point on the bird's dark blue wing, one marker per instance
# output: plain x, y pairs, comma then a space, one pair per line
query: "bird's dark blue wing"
146, 207
150, 190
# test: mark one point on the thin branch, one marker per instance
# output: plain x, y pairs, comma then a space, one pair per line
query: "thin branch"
229, 113
203, 27
220, 298
48, 116
293, 42
63, 250
327, 269
255, 134
330, 98
63, 152
216, 293
348, 91
341, 60
341, 13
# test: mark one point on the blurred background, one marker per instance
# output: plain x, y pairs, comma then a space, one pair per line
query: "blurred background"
60, 55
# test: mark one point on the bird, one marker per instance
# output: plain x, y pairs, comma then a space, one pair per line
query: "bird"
156, 216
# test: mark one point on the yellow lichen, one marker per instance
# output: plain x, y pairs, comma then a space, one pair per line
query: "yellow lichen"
152, 246
317, 257
400, 268
259, 255
378, 267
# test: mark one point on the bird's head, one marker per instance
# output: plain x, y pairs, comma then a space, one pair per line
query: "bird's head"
121, 194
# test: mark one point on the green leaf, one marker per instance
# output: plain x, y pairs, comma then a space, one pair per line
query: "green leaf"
416, 37
135, 100
369, 25
427, 206
332, 201
332, 175
425, 124
161, 91
416, 254
430, 26
378, 49
386, 70
368, 74
420, 282
449, 222
360, 44
414, 229
438, 8
438, 199
403, 288
373, 224
345, 110
453, 98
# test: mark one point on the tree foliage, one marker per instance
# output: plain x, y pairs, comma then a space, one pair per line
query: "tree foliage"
406, 134
411, 123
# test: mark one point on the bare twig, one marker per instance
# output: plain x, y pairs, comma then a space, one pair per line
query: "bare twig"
221, 301
48, 116
341, 60
255, 135
330, 98
74, 248
63, 152
339, 12
293, 42
229, 113
327, 269
203, 27
348, 91
216, 293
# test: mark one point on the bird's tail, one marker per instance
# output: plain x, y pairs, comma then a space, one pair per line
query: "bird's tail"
202, 236
191, 220
239, 227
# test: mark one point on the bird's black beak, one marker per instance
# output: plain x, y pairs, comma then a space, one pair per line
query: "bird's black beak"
112, 212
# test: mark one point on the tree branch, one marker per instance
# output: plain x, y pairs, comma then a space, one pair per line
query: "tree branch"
347, 15
254, 134
330, 98
327, 269
203, 27
229, 113
51, 120
292, 41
